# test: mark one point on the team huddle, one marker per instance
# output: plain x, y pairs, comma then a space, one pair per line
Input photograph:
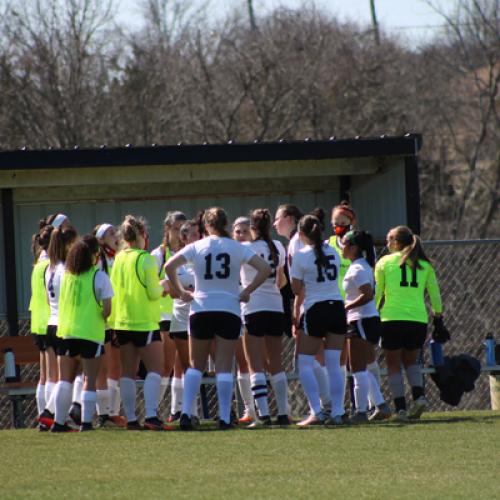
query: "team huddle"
104, 308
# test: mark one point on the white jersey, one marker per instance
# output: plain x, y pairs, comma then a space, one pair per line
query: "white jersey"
295, 245
359, 273
267, 297
53, 277
109, 264
217, 262
320, 282
180, 312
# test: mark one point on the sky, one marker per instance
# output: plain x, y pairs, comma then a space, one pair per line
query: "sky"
413, 20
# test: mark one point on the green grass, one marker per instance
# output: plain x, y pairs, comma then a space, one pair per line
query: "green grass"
446, 455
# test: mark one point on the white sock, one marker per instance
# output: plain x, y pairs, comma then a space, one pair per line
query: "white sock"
152, 384
128, 394
337, 388
374, 370
322, 379
49, 389
309, 382
77, 389
62, 399
114, 396
245, 388
40, 397
89, 399
279, 384
194, 407
192, 380
102, 400
165, 382
361, 390
259, 391
343, 369
50, 403
224, 383
177, 393
375, 396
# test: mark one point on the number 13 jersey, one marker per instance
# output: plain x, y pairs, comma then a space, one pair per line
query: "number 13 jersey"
216, 262
320, 282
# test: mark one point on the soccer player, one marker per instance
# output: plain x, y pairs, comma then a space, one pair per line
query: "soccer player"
85, 303
134, 276
363, 330
39, 307
60, 243
215, 309
402, 278
241, 233
314, 275
171, 243
108, 391
264, 320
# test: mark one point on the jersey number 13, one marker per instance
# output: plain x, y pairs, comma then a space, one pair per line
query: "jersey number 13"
223, 260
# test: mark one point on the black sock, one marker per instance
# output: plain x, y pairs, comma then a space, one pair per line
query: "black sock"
416, 392
400, 403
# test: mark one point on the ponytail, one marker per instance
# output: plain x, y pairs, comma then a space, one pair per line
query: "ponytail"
60, 239
260, 222
311, 227
411, 246
216, 218
132, 228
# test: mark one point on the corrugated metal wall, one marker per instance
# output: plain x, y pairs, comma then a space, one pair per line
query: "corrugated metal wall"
380, 200
86, 215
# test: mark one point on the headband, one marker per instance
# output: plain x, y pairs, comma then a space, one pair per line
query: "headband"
101, 231
346, 211
59, 219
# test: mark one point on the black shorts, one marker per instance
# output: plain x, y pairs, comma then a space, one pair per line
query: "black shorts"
165, 325
139, 339
409, 335
39, 341
110, 338
263, 323
206, 325
80, 347
179, 335
369, 329
325, 317
51, 339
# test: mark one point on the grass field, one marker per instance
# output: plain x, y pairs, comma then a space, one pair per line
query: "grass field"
445, 455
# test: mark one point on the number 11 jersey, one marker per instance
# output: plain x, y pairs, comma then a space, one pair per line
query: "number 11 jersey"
320, 281
216, 263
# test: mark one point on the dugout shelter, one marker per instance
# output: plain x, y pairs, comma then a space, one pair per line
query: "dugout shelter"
378, 175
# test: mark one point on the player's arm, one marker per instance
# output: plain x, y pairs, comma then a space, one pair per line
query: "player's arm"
365, 295
263, 271
432, 287
176, 288
379, 283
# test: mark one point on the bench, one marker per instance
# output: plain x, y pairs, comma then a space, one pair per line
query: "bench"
25, 353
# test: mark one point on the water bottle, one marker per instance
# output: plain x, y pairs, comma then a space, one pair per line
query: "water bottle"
10, 366
489, 347
437, 357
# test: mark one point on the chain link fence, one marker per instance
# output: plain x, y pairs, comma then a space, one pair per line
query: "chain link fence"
468, 274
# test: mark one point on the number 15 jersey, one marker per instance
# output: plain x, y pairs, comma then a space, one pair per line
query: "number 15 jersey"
320, 281
216, 263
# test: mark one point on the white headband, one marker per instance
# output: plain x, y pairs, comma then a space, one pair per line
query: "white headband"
57, 222
102, 230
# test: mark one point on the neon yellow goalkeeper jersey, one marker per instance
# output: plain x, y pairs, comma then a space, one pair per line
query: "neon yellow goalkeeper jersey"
403, 289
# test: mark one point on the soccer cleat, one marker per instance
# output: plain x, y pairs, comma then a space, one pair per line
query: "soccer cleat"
104, 422
261, 423
400, 416
381, 412
417, 408
86, 426
173, 417
336, 420
134, 425
360, 417
313, 420
246, 419
185, 422
75, 413
42, 427
224, 426
118, 420
46, 418
283, 420
155, 424
61, 428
